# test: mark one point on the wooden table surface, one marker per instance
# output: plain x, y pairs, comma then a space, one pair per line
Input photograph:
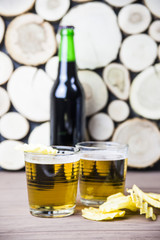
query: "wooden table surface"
16, 223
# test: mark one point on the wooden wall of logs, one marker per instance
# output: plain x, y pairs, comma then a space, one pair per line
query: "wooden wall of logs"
117, 50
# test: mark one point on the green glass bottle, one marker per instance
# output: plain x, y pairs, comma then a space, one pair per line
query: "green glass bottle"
67, 113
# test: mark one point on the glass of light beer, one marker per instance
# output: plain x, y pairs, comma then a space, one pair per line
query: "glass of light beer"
103, 167
52, 182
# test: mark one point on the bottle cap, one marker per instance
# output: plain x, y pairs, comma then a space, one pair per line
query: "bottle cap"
66, 30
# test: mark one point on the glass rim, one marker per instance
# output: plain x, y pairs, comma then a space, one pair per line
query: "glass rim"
71, 151
91, 145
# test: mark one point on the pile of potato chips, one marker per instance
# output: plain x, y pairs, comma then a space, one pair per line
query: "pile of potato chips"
116, 205
37, 148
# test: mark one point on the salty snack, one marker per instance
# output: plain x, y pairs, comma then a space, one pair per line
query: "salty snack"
123, 202
116, 204
155, 196
37, 148
97, 215
142, 205
143, 200
145, 197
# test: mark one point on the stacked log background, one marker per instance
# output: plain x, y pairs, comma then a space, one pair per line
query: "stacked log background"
99, 71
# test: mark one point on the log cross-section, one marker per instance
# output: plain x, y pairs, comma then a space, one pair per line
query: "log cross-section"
96, 42
143, 138
138, 52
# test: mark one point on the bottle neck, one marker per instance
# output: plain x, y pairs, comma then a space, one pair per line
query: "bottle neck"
66, 49
67, 64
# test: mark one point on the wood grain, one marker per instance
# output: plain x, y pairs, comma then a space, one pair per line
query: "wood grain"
16, 223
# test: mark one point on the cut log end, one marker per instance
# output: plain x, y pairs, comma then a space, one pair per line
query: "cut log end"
96, 94
10, 158
34, 41
94, 50
153, 6
154, 30
145, 93
100, 127
25, 89
120, 3
159, 52
5, 101
52, 10
143, 138
117, 79
40, 135
6, 67
138, 52
51, 67
134, 18
13, 126
118, 110
10, 9
79, 1
2, 29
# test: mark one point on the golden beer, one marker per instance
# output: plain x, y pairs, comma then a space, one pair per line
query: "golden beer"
100, 179
52, 185
102, 172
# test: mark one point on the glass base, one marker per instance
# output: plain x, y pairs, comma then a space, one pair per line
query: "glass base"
91, 203
52, 213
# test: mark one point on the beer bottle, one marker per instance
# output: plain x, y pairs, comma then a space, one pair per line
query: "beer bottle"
67, 96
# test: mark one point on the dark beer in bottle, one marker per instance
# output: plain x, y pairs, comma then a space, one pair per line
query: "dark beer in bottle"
67, 97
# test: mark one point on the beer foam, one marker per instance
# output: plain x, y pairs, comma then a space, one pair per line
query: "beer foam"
103, 156
50, 159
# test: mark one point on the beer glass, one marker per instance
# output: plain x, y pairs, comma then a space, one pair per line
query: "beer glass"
103, 167
52, 182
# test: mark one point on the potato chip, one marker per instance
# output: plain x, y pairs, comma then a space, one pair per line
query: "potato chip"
136, 200
114, 204
142, 205
145, 197
155, 196
117, 195
96, 215
150, 214
37, 148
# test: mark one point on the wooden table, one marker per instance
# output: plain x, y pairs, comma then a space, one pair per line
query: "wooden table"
16, 223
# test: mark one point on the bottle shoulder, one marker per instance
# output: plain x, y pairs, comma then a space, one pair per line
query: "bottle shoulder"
69, 89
